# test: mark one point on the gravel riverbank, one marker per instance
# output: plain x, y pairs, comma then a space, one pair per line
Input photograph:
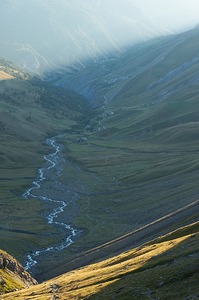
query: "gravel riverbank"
57, 196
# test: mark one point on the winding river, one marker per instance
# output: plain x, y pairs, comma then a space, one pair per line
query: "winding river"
48, 188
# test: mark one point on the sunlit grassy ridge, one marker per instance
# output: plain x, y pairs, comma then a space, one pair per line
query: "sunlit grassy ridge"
161, 269
12, 275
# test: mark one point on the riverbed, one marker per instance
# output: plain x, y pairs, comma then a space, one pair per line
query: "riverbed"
57, 196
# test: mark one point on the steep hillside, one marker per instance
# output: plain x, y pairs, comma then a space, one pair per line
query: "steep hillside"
30, 112
12, 275
130, 160
165, 268
109, 76
74, 31
137, 156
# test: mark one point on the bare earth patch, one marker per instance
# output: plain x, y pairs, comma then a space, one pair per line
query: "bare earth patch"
4, 76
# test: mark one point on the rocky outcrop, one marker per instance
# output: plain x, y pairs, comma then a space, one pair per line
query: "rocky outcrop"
12, 274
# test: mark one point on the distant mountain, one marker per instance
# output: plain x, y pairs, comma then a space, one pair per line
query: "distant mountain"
128, 70
38, 35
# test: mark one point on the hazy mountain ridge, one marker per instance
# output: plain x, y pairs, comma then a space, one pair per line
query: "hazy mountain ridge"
110, 75
114, 72
135, 156
46, 34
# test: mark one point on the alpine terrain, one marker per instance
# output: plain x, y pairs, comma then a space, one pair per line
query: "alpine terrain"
99, 169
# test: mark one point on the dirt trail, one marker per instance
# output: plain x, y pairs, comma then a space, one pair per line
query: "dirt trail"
134, 238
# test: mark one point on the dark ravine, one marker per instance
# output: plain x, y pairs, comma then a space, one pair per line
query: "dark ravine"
57, 196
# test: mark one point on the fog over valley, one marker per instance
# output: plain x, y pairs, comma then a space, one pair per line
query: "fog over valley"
38, 35
99, 135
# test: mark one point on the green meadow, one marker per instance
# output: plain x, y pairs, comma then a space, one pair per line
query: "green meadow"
131, 159
144, 164
30, 112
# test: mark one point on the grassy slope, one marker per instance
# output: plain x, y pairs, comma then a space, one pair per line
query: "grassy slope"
30, 111
12, 275
140, 167
159, 269
136, 170
145, 163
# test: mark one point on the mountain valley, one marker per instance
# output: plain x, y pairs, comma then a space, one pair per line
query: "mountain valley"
127, 127
73, 31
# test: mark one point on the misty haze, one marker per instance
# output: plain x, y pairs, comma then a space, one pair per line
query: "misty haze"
38, 35
99, 139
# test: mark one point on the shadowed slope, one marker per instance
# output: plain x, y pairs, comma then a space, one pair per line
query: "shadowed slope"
160, 268
138, 155
133, 160
129, 240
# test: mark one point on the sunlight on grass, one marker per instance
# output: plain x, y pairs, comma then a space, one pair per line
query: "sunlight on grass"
95, 278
